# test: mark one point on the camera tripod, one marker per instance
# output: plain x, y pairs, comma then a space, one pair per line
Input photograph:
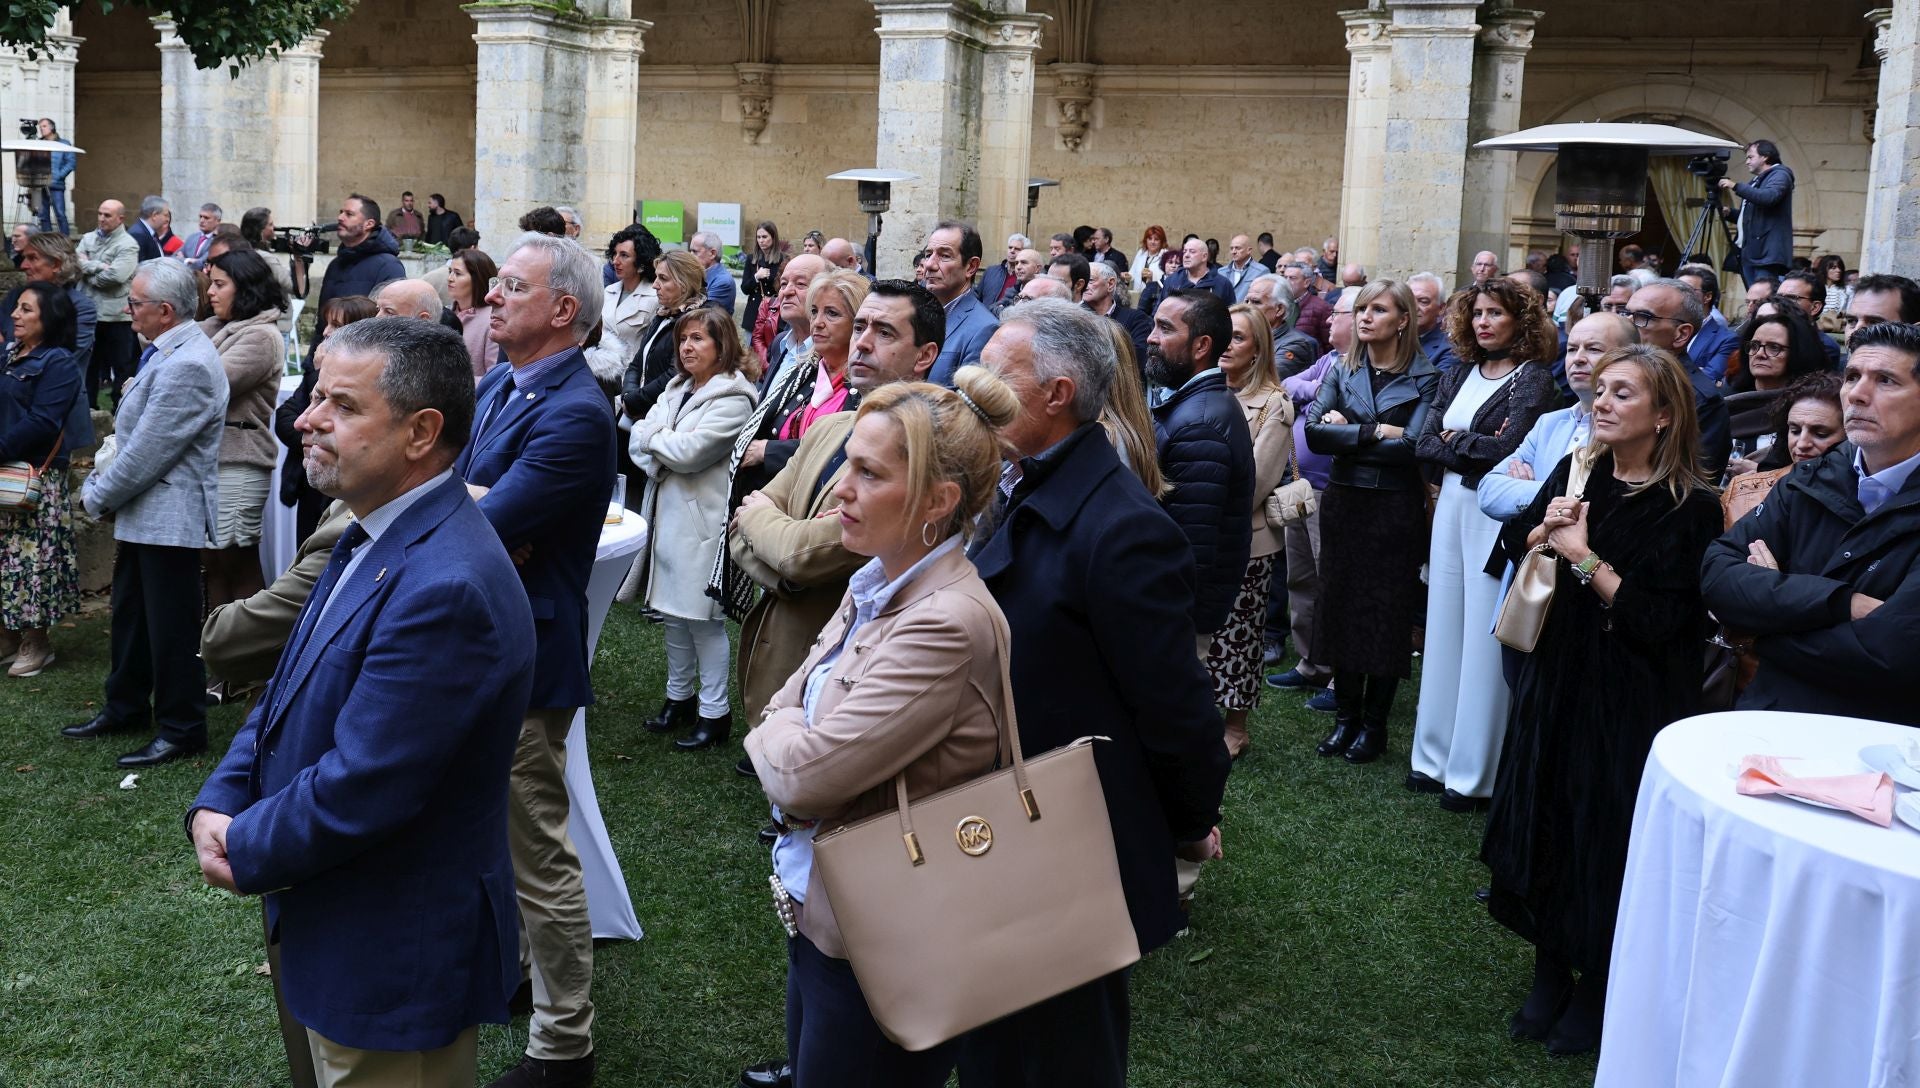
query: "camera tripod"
1711, 209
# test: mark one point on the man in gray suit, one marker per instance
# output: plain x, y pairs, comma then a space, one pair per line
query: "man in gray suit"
162, 489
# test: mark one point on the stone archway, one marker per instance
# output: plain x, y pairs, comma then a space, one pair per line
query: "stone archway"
1696, 102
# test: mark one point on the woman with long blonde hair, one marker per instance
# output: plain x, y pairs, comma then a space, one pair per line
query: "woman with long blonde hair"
1129, 428
1234, 656
1619, 657
1368, 416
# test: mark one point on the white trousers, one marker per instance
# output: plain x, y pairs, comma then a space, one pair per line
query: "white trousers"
697, 659
1463, 696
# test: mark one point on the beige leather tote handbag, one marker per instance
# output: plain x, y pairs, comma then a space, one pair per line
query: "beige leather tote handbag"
982, 899
1523, 613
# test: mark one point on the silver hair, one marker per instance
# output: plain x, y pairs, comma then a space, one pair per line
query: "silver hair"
568, 214
173, 283
214, 208
1070, 341
1693, 307
1642, 277
705, 239
1623, 280
151, 206
1101, 270
1428, 277
1282, 293
572, 271
1018, 239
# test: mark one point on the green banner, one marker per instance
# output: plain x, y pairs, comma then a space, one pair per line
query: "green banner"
667, 220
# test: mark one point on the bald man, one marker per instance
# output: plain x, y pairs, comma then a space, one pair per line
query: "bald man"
1028, 265
409, 298
840, 253
1241, 269
1043, 287
108, 258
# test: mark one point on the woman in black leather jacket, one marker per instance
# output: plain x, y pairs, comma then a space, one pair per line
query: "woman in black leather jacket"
1369, 415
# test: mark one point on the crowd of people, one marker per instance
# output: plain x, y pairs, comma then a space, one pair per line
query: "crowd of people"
978, 501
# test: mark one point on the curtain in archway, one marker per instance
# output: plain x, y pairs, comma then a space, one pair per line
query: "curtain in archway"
1680, 193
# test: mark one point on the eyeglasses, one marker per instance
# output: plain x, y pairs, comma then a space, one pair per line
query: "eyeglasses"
136, 303
514, 285
1760, 349
1643, 318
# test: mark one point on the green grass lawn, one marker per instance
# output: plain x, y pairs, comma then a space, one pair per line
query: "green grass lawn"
1337, 944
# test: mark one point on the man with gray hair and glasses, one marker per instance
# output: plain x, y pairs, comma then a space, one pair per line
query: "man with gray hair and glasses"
1668, 313
1293, 350
152, 228
162, 488
1097, 585
541, 464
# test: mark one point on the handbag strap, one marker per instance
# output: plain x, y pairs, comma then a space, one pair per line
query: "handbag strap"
51, 454
1009, 742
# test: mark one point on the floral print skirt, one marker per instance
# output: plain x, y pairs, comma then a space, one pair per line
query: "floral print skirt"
39, 561
1234, 658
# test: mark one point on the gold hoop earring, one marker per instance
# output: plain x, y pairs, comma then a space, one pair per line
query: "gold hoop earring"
926, 534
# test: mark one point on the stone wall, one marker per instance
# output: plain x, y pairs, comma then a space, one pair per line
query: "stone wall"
367, 146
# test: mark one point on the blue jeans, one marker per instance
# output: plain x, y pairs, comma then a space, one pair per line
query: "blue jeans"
832, 1039
56, 199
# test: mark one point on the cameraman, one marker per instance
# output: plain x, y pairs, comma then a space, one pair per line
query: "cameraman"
1765, 232
257, 228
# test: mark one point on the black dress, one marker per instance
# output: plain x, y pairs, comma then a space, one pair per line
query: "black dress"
1598, 686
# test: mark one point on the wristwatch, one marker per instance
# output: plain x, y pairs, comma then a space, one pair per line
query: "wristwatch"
1584, 569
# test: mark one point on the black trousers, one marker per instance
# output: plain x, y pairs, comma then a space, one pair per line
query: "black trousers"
116, 354
1078, 1038
832, 1039
157, 675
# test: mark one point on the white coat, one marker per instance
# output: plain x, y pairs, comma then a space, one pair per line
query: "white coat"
683, 446
623, 324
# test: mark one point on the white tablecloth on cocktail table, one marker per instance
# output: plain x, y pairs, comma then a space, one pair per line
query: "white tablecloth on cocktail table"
1762, 942
279, 524
608, 901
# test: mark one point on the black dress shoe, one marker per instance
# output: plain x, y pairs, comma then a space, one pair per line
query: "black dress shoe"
535, 1072
100, 726
1370, 745
1481, 895
1344, 730
1422, 783
675, 714
770, 834
767, 1075
160, 750
1459, 802
744, 768
710, 733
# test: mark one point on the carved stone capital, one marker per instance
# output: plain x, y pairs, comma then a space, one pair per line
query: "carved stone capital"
1073, 100
1367, 29
755, 90
1882, 20
1508, 30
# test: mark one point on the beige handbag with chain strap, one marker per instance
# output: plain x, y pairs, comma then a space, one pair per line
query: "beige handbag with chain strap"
1523, 613
981, 899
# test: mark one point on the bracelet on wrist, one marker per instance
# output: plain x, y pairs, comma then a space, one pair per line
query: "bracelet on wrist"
1585, 569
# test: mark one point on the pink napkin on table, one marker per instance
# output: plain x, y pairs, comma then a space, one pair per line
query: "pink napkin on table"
1868, 796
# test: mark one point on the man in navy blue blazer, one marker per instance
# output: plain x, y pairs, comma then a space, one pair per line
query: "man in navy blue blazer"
366, 795
541, 462
953, 258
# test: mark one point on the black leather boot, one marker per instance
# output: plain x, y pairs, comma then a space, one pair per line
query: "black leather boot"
675, 714
709, 733
1346, 715
1371, 744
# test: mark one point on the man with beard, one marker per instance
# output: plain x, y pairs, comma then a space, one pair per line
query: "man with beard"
1205, 450
366, 258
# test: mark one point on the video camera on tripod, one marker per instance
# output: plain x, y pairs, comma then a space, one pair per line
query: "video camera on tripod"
1711, 166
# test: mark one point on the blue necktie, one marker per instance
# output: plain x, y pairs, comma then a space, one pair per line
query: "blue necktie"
144, 356
499, 401
355, 536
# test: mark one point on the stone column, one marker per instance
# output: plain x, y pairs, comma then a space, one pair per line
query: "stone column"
37, 87
930, 81
1890, 241
1006, 126
1506, 34
1423, 181
530, 130
613, 126
1370, 48
240, 140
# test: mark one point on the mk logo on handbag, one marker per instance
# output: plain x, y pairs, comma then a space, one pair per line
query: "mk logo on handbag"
974, 835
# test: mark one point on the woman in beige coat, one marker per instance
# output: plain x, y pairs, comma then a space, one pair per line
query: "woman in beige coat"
247, 303
681, 447
908, 679
1233, 659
